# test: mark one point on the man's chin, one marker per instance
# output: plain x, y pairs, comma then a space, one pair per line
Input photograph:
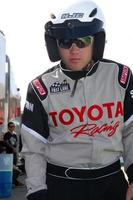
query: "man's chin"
75, 67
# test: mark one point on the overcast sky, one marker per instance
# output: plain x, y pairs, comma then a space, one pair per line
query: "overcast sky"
23, 21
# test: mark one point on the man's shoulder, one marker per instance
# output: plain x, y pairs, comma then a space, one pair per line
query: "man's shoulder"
38, 84
48, 71
7, 135
114, 63
52, 69
124, 71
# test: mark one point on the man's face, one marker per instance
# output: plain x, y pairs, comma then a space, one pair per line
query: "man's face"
78, 55
11, 127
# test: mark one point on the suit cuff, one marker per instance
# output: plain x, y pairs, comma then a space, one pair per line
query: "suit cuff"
39, 195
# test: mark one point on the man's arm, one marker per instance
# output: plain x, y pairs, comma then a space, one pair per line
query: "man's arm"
34, 133
128, 130
128, 136
35, 163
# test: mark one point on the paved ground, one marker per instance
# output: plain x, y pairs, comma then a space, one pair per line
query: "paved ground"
18, 193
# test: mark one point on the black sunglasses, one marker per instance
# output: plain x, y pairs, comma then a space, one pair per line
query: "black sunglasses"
12, 126
80, 42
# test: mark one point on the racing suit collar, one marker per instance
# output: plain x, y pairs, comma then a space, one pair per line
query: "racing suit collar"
75, 75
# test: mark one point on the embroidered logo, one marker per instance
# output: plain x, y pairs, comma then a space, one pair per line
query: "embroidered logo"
29, 106
59, 87
39, 87
93, 129
124, 75
131, 92
73, 15
75, 117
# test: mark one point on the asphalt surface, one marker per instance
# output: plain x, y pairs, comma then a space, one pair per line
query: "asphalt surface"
18, 193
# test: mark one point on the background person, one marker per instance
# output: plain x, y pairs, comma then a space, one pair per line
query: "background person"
77, 120
11, 142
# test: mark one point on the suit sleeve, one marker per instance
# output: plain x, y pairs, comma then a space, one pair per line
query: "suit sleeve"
128, 129
34, 134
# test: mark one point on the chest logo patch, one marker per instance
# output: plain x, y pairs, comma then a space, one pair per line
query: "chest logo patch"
59, 87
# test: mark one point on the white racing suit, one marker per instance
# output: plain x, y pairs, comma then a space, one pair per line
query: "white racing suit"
78, 119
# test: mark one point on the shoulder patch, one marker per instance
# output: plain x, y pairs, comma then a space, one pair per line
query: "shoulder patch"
124, 73
40, 88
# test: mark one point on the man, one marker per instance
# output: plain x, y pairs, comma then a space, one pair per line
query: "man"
77, 121
11, 140
11, 143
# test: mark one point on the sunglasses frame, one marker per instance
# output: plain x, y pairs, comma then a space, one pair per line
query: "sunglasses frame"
11, 126
80, 42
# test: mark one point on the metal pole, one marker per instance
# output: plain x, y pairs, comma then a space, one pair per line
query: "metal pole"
8, 86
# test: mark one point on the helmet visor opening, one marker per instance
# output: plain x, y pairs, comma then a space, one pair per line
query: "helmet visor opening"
72, 29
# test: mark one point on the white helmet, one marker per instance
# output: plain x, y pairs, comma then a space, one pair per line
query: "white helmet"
79, 20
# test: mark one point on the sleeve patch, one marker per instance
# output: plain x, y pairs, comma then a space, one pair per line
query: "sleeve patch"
40, 89
124, 75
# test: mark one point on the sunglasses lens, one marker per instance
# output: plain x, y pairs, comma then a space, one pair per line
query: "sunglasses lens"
65, 44
12, 126
80, 42
85, 41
